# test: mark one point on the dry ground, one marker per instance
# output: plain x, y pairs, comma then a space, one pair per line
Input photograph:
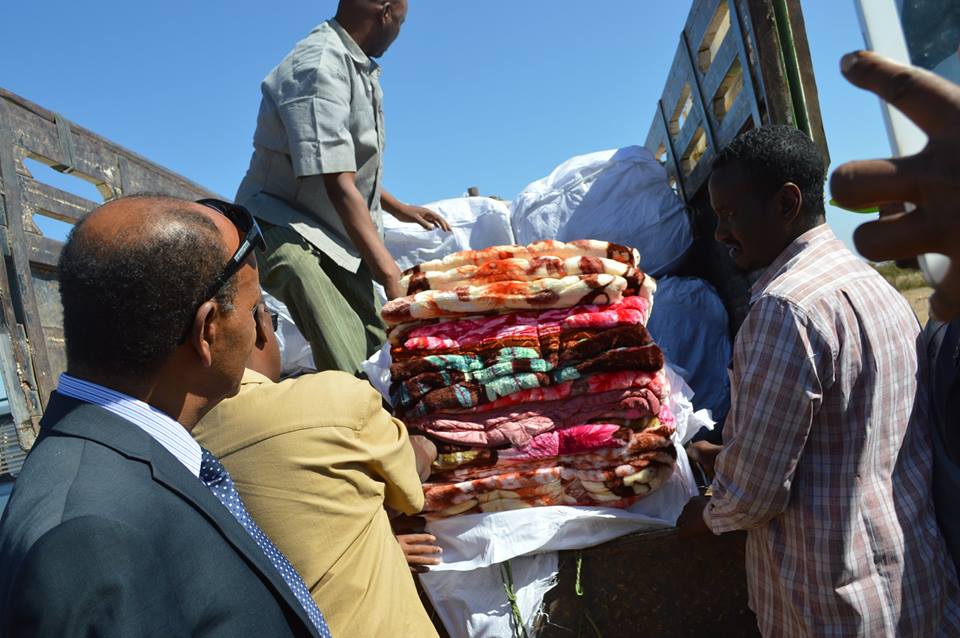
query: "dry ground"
918, 300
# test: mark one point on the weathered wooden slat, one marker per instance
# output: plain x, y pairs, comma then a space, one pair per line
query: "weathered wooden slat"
95, 156
721, 64
733, 122
43, 250
54, 202
741, 23
660, 136
43, 384
701, 13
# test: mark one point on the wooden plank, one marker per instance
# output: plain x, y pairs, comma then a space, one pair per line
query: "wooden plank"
698, 20
726, 55
53, 202
741, 28
95, 156
740, 112
43, 250
659, 135
43, 384
699, 101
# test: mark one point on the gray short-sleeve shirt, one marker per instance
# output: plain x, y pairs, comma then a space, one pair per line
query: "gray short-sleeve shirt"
321, 113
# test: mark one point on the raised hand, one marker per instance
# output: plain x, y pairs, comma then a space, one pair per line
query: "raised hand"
930, 179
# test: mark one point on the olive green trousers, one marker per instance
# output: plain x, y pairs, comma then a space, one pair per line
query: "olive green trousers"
336, 310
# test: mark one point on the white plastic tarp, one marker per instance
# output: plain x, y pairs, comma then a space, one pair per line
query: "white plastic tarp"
621, 196
475, 223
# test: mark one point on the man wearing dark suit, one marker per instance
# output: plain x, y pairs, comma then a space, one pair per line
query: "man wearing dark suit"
120, 524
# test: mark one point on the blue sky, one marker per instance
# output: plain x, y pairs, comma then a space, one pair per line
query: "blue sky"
492, 94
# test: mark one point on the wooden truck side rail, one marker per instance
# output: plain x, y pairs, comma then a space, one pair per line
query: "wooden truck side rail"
31, 319
739, 64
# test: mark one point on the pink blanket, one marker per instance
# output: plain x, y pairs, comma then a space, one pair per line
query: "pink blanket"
517, 424
473, 331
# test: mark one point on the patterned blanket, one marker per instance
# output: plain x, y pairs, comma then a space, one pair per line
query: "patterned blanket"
517, 424
516, 269
531, 387
596, 478
505, 296
578, 248
458, 463
453, 389
423, 336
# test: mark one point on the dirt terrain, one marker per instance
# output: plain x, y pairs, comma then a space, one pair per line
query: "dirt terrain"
918, 301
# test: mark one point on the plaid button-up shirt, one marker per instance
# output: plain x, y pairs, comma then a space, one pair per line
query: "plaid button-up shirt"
827, 456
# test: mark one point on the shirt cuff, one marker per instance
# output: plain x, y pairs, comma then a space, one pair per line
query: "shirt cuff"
718, 524
314, 158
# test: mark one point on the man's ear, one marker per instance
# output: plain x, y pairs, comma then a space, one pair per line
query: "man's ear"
263, 324
203, 333
791, 201
386, 9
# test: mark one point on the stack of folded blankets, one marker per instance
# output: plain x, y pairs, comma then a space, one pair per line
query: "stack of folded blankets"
532, 370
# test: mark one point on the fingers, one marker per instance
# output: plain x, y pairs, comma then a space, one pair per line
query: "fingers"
945, 302
412, 539
921, 95
431, 220
898, 237
869, 182
420, 557
423, 554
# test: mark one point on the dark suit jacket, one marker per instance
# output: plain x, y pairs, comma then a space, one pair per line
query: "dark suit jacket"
943, 357
108, 534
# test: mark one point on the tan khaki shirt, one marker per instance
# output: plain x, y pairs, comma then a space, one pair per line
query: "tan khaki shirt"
321, 113
315, 459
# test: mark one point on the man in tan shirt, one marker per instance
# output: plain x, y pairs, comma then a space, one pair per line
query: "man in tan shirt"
315, 459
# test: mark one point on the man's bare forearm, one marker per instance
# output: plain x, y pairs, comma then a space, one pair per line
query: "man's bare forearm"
355, 215
425, 453
390, 203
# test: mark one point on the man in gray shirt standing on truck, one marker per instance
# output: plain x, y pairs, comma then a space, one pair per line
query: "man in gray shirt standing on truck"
315, 180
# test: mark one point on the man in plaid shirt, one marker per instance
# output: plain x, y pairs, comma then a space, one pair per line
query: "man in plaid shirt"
827, 453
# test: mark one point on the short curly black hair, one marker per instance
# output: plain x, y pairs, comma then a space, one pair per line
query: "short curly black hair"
776, 154
127, 302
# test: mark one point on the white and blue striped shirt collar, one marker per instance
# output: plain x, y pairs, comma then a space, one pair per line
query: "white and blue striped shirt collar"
164, 430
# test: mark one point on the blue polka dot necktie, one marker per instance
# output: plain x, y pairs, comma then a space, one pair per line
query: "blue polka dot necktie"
216, 477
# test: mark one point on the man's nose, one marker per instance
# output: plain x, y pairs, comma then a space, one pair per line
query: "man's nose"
722, 231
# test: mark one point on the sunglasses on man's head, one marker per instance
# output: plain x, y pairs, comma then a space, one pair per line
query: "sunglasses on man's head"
251, 237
